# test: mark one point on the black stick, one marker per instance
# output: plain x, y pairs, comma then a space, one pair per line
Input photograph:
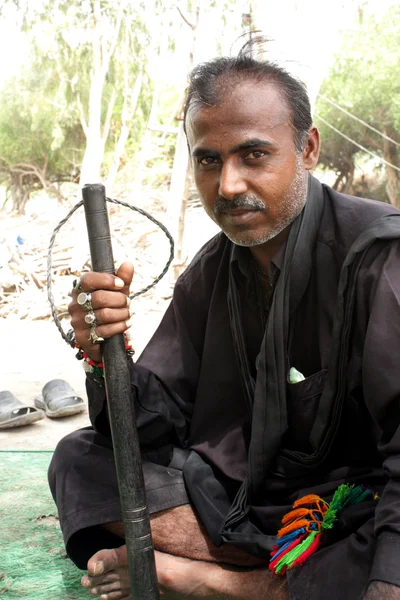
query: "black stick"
122, 417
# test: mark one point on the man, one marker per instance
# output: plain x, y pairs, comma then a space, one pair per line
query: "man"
229, 441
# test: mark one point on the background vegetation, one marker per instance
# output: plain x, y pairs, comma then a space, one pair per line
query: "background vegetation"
363, 83
99, 92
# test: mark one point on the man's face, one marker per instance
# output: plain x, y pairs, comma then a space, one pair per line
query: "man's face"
251, 180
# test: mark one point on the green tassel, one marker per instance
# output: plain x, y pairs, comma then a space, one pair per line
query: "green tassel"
358, 494
344, 495
288, 559
338, 500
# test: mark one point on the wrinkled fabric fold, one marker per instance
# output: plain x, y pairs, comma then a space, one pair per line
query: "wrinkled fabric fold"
269, 421
267, 395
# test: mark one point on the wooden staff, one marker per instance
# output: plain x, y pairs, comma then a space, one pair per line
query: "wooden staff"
120, 398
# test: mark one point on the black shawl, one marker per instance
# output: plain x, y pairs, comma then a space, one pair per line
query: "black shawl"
267, 394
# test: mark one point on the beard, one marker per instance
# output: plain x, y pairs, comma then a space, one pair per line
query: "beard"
290, 206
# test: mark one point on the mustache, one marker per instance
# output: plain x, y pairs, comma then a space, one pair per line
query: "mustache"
240, 201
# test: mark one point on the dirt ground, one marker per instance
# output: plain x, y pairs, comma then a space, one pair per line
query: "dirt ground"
32, 352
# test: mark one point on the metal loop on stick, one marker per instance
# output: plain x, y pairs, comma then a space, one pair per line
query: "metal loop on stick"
69, 337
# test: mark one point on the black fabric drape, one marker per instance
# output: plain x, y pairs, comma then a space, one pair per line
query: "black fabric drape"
267, 394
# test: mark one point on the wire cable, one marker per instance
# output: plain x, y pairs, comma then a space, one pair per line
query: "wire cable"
349, 114
69, 337
346, 137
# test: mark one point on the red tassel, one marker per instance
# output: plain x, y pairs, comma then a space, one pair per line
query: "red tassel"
295, 543
273, 551
307, 553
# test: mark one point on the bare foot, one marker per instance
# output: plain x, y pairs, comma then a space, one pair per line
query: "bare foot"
108, 575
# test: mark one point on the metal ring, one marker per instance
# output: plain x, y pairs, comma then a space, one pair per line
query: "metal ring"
85, 300
95, 339
70, 337
76, 284
90, 318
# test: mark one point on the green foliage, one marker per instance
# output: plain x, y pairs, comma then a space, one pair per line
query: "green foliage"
45, 109
364, 81
45, 105
33, 128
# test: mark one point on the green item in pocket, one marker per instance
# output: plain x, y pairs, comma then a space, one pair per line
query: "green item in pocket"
295, 376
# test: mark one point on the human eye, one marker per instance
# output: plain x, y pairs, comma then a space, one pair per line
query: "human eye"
256, 154
207, 160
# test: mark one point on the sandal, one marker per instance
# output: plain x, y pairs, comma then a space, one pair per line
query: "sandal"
58, 399
13, 413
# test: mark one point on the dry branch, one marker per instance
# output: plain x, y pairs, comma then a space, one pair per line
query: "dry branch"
23, 278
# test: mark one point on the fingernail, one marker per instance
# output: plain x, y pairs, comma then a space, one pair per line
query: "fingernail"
131, 311
129, 323
93, 591
119, 283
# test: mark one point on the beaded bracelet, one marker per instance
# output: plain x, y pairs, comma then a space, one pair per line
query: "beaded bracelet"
97, 368
90, 366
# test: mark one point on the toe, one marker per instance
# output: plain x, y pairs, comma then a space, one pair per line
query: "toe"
107, 560
96, 567
119, 595
110, 587
110, 577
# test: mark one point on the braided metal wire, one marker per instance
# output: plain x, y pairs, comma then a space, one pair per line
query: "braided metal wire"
69, 337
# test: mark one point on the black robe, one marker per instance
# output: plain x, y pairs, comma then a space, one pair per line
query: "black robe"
252, 447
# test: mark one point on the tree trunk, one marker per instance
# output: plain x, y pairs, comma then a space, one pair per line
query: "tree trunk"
348, 186
179, 187
128, 111
338, 181
392, 176
145, 151
177, 199
146, 146
93, 156
19, 198
95, 138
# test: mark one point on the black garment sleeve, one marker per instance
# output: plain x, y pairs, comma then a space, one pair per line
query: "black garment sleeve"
164, 377
381, 385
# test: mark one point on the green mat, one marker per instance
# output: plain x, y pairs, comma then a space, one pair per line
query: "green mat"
33, 563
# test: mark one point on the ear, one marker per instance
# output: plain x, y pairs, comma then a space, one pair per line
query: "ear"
311, 151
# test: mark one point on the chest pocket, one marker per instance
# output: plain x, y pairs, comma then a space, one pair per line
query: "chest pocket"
302, 406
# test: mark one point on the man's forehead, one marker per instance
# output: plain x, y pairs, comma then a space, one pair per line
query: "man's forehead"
250, 103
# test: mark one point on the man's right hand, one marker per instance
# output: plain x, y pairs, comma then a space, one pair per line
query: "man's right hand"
111, 306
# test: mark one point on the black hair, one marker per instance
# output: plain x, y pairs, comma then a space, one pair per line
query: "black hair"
209, 80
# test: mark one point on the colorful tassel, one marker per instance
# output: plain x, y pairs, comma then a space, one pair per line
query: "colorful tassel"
304, 527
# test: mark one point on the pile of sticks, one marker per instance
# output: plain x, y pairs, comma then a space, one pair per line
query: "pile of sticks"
23, 274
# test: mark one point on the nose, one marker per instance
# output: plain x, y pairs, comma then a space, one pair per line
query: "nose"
231, 181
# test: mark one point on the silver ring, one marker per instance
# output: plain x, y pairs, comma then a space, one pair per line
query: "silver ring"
76, 284
94, 338
90, 318
85, 300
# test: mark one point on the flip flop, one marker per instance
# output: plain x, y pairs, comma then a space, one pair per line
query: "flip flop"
13, 413
58, 399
